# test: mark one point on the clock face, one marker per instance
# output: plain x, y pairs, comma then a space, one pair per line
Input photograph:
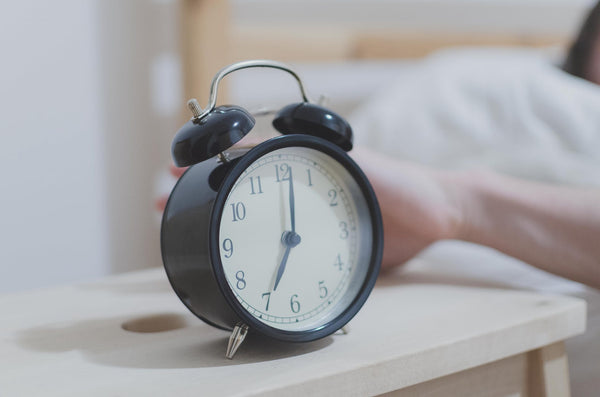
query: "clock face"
295, 239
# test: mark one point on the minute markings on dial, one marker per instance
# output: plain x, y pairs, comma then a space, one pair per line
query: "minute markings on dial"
307, 178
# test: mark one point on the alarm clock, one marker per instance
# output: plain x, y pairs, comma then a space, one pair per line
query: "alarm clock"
283, 239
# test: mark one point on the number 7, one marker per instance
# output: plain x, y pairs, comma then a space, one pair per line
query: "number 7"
268, 295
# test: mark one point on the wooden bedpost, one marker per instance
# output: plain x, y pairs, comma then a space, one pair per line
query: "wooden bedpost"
205, 44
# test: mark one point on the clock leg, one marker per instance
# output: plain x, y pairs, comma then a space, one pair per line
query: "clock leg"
345, 330
235, 340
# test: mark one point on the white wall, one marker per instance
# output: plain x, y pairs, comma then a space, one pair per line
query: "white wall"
87, 108
53, 226
141, 97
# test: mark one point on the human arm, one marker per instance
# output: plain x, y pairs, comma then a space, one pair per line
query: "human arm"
555, 228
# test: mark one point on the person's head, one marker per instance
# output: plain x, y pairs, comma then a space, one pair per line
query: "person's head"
583, 59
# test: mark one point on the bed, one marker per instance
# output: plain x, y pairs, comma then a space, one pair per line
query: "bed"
552, 136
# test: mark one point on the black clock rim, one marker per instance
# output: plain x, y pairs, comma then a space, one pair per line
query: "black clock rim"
377, 228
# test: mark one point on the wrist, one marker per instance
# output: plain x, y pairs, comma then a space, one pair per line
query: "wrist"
463, 195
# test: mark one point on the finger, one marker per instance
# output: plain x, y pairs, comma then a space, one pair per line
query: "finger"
398, 254
177, 171
250, 141
161, 203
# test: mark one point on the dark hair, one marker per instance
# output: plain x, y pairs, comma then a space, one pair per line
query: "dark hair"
580, 53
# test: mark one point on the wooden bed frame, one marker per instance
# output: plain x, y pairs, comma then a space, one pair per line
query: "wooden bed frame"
215, 32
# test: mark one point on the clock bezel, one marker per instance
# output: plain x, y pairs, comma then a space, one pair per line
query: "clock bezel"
377, 229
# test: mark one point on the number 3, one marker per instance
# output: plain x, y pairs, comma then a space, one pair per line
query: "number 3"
343, 230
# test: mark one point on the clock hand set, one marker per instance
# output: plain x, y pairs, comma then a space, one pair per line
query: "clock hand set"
289, 239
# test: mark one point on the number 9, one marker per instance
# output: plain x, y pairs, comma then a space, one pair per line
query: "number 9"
228, 247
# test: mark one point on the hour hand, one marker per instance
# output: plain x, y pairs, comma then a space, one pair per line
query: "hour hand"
290, 240
281, 267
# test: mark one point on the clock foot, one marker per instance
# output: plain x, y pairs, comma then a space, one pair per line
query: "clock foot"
345, 330
235, 340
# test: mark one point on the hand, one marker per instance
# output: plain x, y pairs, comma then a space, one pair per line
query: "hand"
161, 202
418, 204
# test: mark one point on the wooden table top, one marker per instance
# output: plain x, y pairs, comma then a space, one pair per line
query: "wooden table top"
415, 327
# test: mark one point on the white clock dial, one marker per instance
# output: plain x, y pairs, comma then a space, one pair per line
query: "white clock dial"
295, 239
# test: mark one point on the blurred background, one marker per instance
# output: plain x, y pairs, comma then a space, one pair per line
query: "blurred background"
92, 92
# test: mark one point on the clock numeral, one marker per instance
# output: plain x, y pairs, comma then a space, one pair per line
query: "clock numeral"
282, 172
268, 295
309, 178
344, 230
294, 304
338, 262
239, 211
323, 289
258, 189
332, 197
228, 247
241, 283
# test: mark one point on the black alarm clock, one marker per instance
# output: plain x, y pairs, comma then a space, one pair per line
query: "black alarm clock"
284, 239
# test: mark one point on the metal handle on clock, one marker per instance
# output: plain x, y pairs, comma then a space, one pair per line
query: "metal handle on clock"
244, 65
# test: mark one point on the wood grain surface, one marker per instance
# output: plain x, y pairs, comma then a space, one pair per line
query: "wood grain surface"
130, 335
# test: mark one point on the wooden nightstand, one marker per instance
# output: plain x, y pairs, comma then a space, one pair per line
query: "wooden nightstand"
411, 338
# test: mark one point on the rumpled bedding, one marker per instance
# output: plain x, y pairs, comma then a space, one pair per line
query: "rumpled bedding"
509, 110
513, 111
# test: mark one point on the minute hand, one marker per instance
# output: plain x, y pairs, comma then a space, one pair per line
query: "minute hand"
292, 203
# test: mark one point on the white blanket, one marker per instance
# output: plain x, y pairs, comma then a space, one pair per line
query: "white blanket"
510, 110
